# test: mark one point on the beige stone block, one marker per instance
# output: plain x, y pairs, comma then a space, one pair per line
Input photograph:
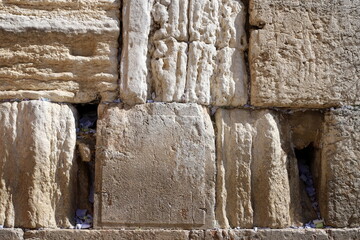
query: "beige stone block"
229, 79
61, 50
305, 53
107, 234
11, 234
253, 185
133, 66
155, 166
38, 168
340, 162
189, 52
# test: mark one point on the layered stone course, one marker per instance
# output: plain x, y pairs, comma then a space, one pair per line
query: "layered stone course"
65, 51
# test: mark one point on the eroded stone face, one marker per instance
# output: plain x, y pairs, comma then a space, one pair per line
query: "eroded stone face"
184, 51
340, 162
305, 54
258, 180
65, 51
253, 184
155, 166
37, 166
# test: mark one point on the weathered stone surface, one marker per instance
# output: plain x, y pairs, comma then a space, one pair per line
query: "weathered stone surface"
253, 185
305, 54
220, 234
62, 50
37, 166
189, 51
107, 235
340, 168
11, 234
155, 166
257, 170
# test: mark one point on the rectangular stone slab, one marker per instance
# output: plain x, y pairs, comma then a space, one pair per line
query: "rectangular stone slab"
340, 165
65, 51
305, 53
154, 166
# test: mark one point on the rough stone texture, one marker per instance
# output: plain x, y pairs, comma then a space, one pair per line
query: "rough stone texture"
155, 166
184, 51
107, 235
305, 54
62, 50
11, 234
253, 185
37, 166
257, 171
340, 164
219, 234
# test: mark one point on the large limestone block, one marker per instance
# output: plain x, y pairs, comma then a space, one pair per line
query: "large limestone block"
185, 51
37, 166
305, 53
340, 168
62, 50
253, 185
155, 166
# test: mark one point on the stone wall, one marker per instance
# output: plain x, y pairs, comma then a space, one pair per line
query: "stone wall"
187, 115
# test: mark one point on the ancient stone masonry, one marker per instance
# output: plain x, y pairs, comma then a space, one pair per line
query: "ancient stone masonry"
305, 54
184, 51
65, 51
179, 119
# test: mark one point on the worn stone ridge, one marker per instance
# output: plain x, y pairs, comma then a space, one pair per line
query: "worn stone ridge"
219, 234
305, 53
257, 170
184, 51
340, 181
37, 164
155, 166
60, 50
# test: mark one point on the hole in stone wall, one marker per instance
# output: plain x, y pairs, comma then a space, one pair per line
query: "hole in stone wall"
309, 203
86, 142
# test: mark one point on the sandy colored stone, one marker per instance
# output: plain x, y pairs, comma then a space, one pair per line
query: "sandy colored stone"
253, 185
305, 53
11, 234
107, 235
258, 181
61, 50
37, 164
190, 51
340, 163
155, 166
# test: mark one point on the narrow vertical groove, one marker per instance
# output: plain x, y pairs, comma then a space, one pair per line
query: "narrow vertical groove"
246, 52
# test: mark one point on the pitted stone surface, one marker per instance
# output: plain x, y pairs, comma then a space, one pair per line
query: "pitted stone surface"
155, 166
184, 51
37, 166
305, 54
340, 162
62, 50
